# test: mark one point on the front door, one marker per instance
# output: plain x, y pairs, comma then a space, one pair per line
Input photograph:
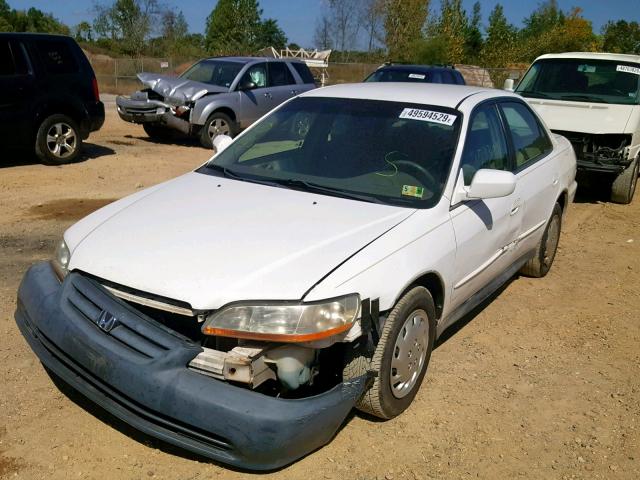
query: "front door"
255, 97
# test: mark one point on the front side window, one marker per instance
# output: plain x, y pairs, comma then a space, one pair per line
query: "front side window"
583, 80
530, 141
213, 72
485, 145
255, 77
370, 150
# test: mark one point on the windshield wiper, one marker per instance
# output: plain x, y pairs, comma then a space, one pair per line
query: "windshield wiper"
531, 93
316, 188
588, 98
225, 171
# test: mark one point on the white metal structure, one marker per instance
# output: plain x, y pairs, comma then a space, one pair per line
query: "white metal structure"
284, 249
316, 59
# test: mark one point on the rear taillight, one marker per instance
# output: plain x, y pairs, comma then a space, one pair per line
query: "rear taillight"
96, 92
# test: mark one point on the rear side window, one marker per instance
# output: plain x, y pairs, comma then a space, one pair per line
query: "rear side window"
7, 67
304, 72
57, 57
279, 75
530, 141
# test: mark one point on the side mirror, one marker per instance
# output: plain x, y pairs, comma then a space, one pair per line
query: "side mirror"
220, 142
246, 85
509, 85
488, 183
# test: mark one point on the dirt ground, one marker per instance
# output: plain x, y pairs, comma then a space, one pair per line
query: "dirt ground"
543, 382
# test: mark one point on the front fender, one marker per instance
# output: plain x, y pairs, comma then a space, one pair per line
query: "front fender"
208, 104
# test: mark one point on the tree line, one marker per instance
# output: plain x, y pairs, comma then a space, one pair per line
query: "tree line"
358, 30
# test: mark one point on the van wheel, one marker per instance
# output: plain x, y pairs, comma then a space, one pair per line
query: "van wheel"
58, 140
624, 186
217, 124
401, 357
547, 247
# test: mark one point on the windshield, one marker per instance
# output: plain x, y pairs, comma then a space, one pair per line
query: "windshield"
390, 75
582, 80
370, 150
214, 72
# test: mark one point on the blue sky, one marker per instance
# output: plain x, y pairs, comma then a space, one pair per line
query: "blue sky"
297, 17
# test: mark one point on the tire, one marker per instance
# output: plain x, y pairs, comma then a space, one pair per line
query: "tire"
157, 131
388, 397
624, 186
217, 124
547, 247
58, 140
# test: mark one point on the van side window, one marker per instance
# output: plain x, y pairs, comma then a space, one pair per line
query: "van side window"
530, 141
304, 72
485, 145
7, 67
280, 75
57, 57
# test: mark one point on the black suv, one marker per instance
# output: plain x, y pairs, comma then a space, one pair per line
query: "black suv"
391, 72
49, 99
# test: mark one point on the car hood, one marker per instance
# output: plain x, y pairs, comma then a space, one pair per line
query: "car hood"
176, 90
208, 241
584, 117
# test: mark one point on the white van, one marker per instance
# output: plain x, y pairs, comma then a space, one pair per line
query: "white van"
593, 100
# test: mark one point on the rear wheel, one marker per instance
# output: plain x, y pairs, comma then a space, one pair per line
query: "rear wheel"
547, 247
58, 140
401, 357
217, 124
624, 186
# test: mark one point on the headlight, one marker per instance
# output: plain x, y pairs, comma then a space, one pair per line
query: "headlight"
285, 322
61, 259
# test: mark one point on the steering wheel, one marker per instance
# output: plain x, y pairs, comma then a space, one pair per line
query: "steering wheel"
415, 168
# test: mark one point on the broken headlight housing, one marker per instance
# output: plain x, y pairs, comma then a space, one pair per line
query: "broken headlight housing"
61, 259
285, 321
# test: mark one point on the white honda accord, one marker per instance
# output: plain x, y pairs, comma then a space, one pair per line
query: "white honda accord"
241, 310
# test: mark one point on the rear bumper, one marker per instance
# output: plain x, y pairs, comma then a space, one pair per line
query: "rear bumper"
93, 120
137, 371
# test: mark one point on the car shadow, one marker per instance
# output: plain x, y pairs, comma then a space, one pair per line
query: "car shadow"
22, 157
183, 141
593, 189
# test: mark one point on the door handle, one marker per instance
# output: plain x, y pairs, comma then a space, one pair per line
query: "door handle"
555, 181
268, 95
515, 208
294, 92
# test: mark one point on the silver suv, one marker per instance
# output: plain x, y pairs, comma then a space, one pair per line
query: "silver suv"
215, 96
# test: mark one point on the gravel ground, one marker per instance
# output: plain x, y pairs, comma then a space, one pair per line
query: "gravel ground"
542, 382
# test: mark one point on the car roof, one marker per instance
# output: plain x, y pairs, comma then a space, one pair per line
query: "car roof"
35, 35
253, 59
414, 68
620, 57
445, 95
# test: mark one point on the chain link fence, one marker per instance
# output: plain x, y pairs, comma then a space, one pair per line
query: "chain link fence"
118, 75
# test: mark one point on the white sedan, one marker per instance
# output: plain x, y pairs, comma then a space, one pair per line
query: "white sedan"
241, 310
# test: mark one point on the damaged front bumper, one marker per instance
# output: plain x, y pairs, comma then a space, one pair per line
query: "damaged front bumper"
141, 110
602, 153
136, 369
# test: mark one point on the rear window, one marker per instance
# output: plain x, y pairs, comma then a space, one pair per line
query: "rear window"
57, 57
304, 72
279, 75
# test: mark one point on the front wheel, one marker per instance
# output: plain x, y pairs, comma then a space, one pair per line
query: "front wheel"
217, 124
624, 186
401, 357
58, 140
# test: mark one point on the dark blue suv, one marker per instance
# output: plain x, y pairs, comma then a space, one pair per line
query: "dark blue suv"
416, 73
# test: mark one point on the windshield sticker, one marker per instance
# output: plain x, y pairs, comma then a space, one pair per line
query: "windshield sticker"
587, 68
412, 191
628, 69
419, 76
428, 116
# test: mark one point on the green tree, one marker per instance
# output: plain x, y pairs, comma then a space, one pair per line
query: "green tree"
473, 37
499, 48
127, 23
452, 28
403, 24
233, 27
83, 32
621, 37
271, 35
546, 17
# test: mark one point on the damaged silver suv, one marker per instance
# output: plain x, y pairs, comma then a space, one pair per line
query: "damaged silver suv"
215, 96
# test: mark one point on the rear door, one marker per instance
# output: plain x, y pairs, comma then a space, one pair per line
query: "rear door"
282, 84
487, 229
536, 167
16, 85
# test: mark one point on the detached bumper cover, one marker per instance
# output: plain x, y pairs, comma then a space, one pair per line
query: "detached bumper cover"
136, 369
